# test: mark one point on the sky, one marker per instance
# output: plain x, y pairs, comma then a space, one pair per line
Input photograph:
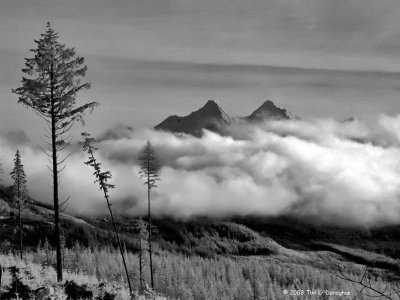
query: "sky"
323, 60
148, 59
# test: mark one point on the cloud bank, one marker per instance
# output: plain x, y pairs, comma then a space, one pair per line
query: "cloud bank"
336, 172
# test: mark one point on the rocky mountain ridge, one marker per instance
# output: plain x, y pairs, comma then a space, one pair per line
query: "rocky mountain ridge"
212, 117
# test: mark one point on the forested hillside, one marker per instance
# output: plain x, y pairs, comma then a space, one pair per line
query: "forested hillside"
207, 258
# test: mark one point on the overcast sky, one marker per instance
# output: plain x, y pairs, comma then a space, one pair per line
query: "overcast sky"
148, 59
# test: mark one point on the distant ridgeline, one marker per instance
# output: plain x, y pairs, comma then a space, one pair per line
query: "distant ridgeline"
213, 118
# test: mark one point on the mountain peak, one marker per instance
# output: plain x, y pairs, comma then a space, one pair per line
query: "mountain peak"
268, 103
268, 110
211, 103
211, 109
210, 116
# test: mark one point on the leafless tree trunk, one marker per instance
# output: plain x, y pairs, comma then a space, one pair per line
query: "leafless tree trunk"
149, 216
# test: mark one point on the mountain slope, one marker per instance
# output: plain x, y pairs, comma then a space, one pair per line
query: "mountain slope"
210, 116
208, 237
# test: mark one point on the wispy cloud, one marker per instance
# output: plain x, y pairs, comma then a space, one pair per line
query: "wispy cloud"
324, 169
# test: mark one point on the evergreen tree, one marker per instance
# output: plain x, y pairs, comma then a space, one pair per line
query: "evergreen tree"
101, 179
19, 191
150, 170
53, 80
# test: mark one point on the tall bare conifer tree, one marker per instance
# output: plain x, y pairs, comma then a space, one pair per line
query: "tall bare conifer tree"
53, 79
150, 171
101, 178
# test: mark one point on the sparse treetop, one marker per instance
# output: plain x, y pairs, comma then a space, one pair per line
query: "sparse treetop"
53, 79
101, 177
149, 165
19, 178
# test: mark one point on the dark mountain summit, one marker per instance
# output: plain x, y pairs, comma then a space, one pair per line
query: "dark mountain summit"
268, 110
213, 118
210, 116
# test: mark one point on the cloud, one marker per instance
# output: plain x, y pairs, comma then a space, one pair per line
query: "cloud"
330, 171
116, 132
16, 138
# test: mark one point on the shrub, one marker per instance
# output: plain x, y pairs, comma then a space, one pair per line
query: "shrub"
104, 295
17, 289
77, 292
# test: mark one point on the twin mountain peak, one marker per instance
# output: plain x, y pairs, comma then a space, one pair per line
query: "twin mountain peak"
212, 117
